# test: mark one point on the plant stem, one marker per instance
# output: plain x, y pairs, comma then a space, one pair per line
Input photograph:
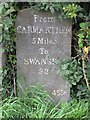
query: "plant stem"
84, 73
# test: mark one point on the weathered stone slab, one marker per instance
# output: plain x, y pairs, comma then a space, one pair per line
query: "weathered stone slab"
41, 39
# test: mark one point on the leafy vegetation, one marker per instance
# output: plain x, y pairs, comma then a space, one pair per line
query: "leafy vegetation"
9, 43
71, 70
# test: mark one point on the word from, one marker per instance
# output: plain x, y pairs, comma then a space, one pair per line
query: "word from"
37, 18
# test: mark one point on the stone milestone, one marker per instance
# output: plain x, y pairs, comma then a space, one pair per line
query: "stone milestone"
41, 40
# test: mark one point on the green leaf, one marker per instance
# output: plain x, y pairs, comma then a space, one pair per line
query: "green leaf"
64, 67
81, 15
8, 21
52, 9
80, 40
47, 7
6, 5
78, 78
88, 40
1, 8
74, 83
80, 9
81, 35
82, 25
81, 45
9, 11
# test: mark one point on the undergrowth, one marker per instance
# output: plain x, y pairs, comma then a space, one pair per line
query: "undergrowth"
36, 103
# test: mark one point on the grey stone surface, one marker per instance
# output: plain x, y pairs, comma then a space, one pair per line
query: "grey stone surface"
41, 39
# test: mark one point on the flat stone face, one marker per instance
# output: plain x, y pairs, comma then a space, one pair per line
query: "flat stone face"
41, 40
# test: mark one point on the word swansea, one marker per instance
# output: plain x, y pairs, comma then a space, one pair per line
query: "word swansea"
35, 61
45, 30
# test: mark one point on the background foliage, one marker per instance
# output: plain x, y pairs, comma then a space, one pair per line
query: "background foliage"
76, 69
8, 39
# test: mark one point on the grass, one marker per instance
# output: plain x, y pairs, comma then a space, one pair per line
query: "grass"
36, 103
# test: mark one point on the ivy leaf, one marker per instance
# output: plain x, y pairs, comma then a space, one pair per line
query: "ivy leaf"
79, 9
81, 15
6, 5
8, 21
82, 25
81, 35
52, 9
9, 11
78, 78
47, 7
64, 67
73, 82
1, 8
80, 44
89, 40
